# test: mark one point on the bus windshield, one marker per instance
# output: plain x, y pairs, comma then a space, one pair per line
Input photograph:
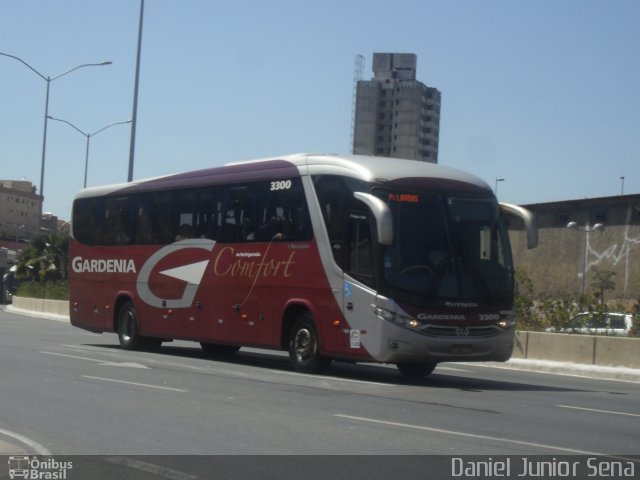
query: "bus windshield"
446, 248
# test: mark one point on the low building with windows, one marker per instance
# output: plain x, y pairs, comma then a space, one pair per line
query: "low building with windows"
576, 238
20, 208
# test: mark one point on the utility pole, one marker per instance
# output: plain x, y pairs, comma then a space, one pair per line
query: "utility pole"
134, 116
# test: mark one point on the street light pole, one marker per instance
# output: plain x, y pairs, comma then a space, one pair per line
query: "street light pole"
134, 116
586, 230
20, 227
49, 79
88, 135
44, 147
496, 188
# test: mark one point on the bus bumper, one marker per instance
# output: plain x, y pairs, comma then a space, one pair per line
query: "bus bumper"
400, 344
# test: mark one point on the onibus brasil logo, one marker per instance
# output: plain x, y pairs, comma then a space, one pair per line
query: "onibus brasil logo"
33, 468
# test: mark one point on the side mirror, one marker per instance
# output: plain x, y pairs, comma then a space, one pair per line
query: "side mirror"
382, 214
530, 223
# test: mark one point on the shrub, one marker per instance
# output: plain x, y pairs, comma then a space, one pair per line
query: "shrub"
46, 290
526, 316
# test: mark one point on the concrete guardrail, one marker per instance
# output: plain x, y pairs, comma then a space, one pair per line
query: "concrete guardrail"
55, 307
575, 348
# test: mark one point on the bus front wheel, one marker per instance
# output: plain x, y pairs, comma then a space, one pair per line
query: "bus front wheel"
304, 347
416, 371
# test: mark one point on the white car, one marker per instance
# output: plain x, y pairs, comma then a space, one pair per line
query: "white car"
616, 324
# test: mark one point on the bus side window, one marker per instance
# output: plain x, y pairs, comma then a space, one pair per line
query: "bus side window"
210, 217
193, 212
184, 214
205, 213
335, 196
86, 215
238, 214
272, 229
116, 225
143, 234
360, 262
286, 214
159, 218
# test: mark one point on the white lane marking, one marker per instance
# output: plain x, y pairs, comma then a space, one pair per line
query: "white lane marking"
320, 377
39, 449
155, 470
134, 383
99, 361
471, 435
84, 347
124, 364
599, 411
71, 356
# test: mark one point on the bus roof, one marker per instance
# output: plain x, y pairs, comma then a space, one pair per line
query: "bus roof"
366, 168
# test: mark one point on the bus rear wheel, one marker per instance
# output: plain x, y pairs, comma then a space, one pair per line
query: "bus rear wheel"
128, 334
304, 347
416, 371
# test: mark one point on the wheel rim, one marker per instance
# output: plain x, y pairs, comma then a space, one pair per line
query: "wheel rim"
128, 326
304, 345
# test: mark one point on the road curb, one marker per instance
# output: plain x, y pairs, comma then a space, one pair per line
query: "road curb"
9, 444
622, 374
36, 314
9, 448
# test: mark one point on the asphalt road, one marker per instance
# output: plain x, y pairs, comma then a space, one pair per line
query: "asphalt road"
72, 392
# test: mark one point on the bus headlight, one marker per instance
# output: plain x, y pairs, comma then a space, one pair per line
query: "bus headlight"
507, 322
401, 320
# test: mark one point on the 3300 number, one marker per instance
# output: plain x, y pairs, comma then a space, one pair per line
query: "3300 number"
281, 185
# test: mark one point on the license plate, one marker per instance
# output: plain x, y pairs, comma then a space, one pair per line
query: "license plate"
461, 349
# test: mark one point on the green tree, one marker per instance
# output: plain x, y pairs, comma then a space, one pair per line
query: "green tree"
603, 280
45, 259
560, 313
635, 331
525, 305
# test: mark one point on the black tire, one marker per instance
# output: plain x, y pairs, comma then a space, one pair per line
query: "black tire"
416, 371
128, 334
216, 350
304, 347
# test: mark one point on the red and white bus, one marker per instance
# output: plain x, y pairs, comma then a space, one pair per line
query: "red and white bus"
329, 257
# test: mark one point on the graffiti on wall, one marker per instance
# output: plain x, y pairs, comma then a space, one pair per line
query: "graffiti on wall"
619, 255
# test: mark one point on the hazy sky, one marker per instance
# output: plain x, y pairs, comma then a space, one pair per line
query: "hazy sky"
544, 93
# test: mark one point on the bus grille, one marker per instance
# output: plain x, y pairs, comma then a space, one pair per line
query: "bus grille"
454, 331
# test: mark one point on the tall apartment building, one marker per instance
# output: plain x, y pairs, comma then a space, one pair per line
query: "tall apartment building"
20, 207
395, 114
